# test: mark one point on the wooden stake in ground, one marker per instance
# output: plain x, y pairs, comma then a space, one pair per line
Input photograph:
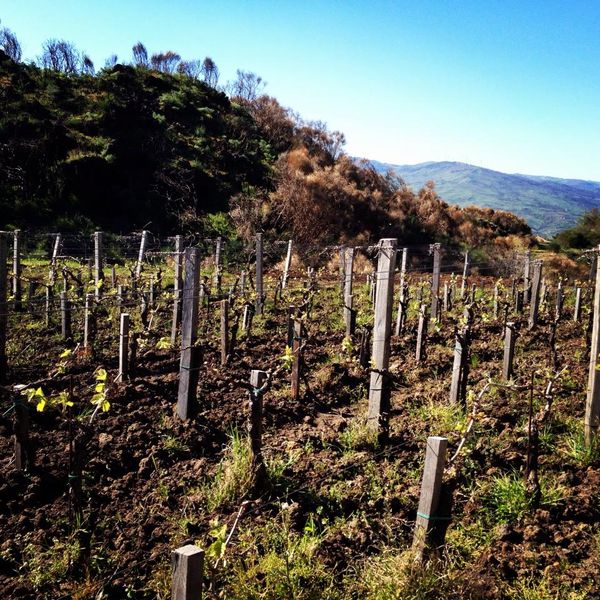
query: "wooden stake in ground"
421, 333
17, 290
577, 309
380, 389
401, 315
288, 264
87, 318
3, 304
436, 249
188, 568
124, 347
98, 264
348, 279
535, 294
463, 285
509, 351
527, 277
224, 331
297, 363
431, 486
65, 314
177, 283
257, 380
592, 406
190, 354
460, 368
142, 253
259, 274
56, 249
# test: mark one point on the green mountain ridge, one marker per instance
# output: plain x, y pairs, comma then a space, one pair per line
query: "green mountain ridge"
549, 204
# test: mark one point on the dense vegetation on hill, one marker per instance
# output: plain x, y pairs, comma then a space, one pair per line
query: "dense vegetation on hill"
158, 143
547, 203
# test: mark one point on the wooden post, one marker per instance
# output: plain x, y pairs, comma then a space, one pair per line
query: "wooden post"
89, 302
297, 364
592, 406
98, 263
460, 369
259, 274
577, 310
421, 333
435, 281
527, 277
188, 573
3, 304
257, 380
380, 389
224, 331
65, 313
120, 297
535, 294
124, 347
495, 301
288, 264
49, 296
559, 300
509, 351
401, 315
348, 280
290, 326
431, 486
463, 285
342, 263
143, 245
190, 354
56, 249
177, 293
17, 290
351, 323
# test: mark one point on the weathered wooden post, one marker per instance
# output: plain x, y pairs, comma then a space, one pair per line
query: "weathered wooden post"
188, 573
535, 294
177, 258
342, 264
120, 297
527, 277
421, 333
495, 304
17, 290
49, 296
21, 435
509, 350
463, 284
431, 486
288, 264
3, 304
217, 271
140, 260
190, 353
56, 249
380, 389
460, 367
593, 266
577, 310
401, 315
65, 314
436, 249
297, 362
224, 331
98, 262
348, 280
592, 405
247, 317
257, 380
259, 274
559, 300
87, 317
124, 347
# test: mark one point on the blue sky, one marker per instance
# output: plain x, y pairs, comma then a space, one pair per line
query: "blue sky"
513, 86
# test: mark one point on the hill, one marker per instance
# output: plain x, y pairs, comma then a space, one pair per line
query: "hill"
548, 204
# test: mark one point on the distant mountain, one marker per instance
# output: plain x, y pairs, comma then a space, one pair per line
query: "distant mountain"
549, 204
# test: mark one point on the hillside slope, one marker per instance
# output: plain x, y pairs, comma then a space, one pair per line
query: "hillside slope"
548, 204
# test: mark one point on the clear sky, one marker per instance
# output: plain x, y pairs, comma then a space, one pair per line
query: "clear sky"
505, 84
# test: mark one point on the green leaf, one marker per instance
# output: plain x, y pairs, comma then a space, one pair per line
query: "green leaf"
101, 374
41, 405
65, 353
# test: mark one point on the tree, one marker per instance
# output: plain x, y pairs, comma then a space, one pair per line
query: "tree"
10, 44
166, 62
87, 65
248, 86
210, 72
60, 55
140, 55
111, 61
190, 68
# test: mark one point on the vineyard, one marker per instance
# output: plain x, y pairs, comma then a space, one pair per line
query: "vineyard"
185, 416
